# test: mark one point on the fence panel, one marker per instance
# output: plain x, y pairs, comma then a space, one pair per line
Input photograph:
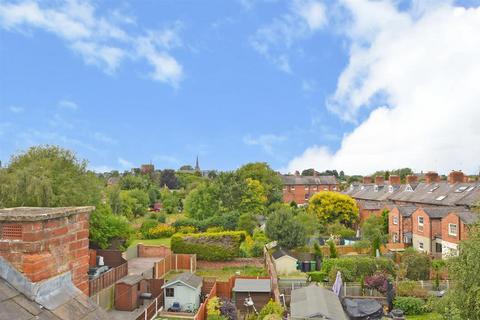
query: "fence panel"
107, 279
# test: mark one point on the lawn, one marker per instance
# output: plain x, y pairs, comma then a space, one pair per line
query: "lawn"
225, 273
425, 316
162, 241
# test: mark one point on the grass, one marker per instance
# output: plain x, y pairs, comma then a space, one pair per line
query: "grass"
171, 218
425, 316
294, 275
162, 241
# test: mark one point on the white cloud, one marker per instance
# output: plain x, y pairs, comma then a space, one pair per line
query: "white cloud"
101, 168
67, 104
265, 141
125, 163
273, 41
165, 158
104, 138
16, 109
100, 40
425, 68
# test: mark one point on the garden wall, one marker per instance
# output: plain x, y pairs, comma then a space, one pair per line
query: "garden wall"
237, 263
145, 251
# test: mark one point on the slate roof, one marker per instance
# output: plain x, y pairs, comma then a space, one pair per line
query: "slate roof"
314, 302
187, 278
468, 217
438, 212
405, 210
49, 301
278, 253
371, 205
252, 285
440, 193
308, 180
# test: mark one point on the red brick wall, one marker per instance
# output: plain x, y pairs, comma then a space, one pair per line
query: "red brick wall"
153, 251
394, 228
298, 195
461, 229
436, 227
51, 247
426, 223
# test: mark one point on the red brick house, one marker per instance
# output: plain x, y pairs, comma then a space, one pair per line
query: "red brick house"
400, 225
427, 229
300, 188
455, 229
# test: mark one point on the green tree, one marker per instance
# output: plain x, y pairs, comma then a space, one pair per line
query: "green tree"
106, 226
203, 202
169, 179
463, 299
170, 200
330, 206
373, 231
48, 176
114, 200
271, 308
270, 180
253, 199
417, 264
246, 222
333, 249
309, 222
130, 182
153, 194
285, 229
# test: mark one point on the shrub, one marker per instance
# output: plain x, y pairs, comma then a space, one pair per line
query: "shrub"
333, 249
186, 229
153, 216
377, 281
215, 229
352, 268
106, 226
317, 276
219, 246
409, 305
161, 231
228, 310
146, 226
213, 306
417, 264
271, 307
162, 218
411, 289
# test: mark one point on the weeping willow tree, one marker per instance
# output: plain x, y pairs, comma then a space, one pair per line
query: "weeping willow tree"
48, 176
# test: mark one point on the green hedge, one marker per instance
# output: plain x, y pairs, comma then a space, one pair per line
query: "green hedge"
352, 268
212, 246
409, 305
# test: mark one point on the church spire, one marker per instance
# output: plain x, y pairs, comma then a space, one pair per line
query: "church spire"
197, 166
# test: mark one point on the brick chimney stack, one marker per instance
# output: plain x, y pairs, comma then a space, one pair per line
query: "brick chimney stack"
431, 177
379, 180
367, 180
456, 177
411, 179
314, 172
394, 180
44, 242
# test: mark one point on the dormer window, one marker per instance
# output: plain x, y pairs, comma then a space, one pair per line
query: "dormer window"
409, 188
390, 189
362, 187
375, 188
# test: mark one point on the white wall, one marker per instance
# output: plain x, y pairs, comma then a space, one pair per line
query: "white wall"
286, 265
427, 244
183, 295
449, 249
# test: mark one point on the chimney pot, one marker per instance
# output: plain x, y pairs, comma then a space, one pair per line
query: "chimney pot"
367, 180
456, 177
412, 179
394, 180
431, 177
379, 180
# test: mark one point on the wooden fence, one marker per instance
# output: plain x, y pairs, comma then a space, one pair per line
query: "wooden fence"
107, 279
202, 310
175, 262
152, 310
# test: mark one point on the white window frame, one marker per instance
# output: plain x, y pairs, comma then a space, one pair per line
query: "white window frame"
335, 188
420, 245
315, 188
395, 220
450, 233
307, 188
170, 290
325, 188
420, 224
395, 238
292, 188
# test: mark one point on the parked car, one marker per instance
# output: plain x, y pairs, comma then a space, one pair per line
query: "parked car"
175, 307
95, 272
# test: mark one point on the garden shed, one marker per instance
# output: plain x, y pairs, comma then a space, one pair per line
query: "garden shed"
314, 302
184, 290
285, 263
251, 293
128, 291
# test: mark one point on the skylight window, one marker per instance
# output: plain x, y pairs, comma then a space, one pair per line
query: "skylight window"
441, 198
434, 188
461, 189
470, 188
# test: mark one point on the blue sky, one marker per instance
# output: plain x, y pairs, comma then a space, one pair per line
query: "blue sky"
125, 83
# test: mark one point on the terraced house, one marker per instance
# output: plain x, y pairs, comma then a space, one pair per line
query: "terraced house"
300, 188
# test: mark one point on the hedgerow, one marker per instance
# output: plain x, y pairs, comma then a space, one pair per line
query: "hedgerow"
212, 246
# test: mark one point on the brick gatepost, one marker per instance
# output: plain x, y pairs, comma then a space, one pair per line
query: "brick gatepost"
45, 242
